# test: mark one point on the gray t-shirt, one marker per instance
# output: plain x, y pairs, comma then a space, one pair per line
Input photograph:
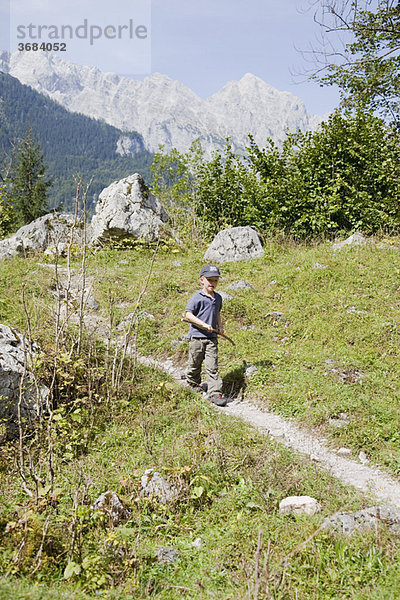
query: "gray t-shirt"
207, 309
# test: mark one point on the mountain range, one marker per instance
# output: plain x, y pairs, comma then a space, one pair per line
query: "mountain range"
161, 110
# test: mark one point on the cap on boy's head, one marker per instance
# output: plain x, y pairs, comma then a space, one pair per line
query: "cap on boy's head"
210, 271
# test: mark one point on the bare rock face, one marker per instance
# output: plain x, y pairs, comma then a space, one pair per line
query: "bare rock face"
127, 209
162, 110
53, 231
234, 244
27, 398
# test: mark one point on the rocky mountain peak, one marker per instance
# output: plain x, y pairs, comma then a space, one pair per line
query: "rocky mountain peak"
163, 110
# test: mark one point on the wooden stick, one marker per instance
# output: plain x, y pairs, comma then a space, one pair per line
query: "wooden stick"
214, 331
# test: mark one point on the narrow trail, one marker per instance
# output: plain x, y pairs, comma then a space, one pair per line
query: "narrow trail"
367, 479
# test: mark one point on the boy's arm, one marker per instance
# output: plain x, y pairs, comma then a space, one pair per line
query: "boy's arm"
202, 324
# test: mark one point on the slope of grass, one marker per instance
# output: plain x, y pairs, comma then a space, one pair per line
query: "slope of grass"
334, 350
230, 478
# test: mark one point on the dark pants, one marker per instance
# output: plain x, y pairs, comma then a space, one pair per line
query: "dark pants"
204, 350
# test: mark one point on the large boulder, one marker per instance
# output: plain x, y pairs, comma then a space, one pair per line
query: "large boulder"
54, 230
19, 393
127, 209
234, 244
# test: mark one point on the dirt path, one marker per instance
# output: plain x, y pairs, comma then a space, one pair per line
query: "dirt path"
367, 479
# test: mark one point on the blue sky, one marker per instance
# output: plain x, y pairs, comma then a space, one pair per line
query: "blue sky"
203, 44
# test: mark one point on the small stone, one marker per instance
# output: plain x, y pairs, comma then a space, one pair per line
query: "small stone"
363, 458
274, 316
364, 520
240, 285
344, 452
155, 486
111, 505
127, 322
178, 342
167, 555
339, 421
352, 309
145, 315
92, 303
354, 240
197, 543
250, 370
299, 505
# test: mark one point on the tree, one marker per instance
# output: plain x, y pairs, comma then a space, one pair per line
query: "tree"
7, 216
345, 176
29, 186
367, 66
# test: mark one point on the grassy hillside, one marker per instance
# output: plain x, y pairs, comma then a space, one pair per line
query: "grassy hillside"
231, 478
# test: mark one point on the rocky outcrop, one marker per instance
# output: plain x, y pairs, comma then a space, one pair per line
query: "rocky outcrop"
19, 394
234, 244
127, 209
52, 232
130, 145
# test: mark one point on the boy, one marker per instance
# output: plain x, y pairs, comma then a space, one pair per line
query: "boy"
204, 313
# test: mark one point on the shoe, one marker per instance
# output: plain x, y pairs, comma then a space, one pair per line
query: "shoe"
219, 400
196, 387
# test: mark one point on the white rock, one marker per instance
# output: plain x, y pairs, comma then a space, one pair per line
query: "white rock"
197, 543
126, 209
353, 310
15, 355
111, 505
235, 244
357, 239
52, 231
154, 485
240, 285
344, 452
250, 370
363, 458
299, 505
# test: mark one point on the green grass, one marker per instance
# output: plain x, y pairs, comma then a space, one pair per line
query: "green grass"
231, 477
293, 378
231, 480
